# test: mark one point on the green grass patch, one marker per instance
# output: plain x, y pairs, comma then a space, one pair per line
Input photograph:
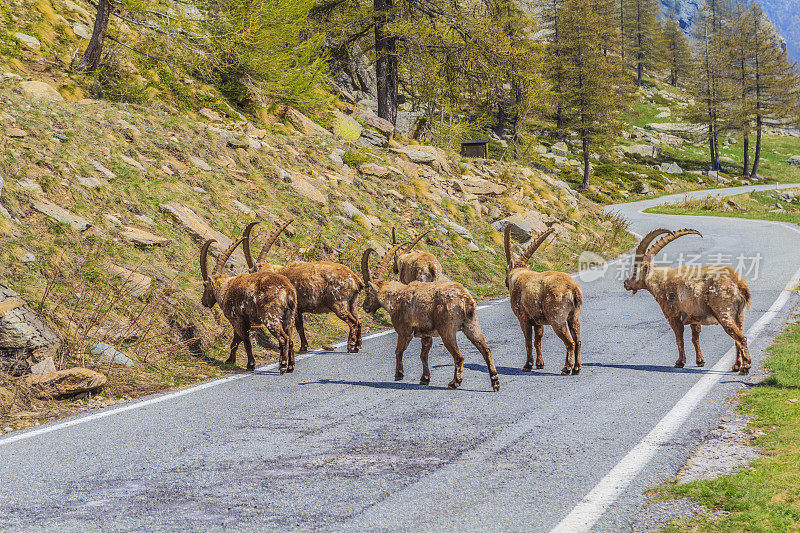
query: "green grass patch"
762, 205
764, 496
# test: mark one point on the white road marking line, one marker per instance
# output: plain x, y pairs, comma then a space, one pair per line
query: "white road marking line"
584, 515
23, 435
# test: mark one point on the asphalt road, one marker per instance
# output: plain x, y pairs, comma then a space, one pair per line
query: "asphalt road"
339, 445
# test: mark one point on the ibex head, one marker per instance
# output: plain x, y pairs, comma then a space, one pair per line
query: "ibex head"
372, 284
521, 261
642, 261
209, 298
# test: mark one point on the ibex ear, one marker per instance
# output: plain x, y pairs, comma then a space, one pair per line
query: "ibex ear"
372, 286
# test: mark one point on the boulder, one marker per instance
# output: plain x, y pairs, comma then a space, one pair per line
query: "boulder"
371, 138
200, 163
38, 90
303, 124
372, 169
210, 114
136, 284
15, 133
82, 31
59, 214
109, 175
371, 119
111, 354
408, 123
475, 185
346, 128
461, 230
141, 237
523, 226
560, 149
22, 332
90, 182
794, 160
307, 188
132, 162
65, 382
671, 168
200, 230
28, 41
675, 127
44, 366
353, 212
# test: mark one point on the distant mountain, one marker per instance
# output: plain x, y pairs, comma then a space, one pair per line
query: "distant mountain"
785, 15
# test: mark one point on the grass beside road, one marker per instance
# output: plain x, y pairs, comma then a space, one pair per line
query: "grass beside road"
762, 205
765, 495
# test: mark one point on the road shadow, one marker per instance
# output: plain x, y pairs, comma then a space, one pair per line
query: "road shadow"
659, 368
507, 370
390, 385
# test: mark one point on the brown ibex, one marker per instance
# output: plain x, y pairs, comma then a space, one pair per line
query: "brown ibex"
426, 310
544, 298
251, 299
694, 296
322, 287
415, 266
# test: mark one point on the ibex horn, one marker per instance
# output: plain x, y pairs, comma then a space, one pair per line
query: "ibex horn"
204, 258
246, 246
271, 240
663, 241
224, 256
536, 244
507, 244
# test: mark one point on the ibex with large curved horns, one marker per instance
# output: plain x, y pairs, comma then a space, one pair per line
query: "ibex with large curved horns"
322, 287
251, 299
694, 296
544, 298
426, 310
414, 265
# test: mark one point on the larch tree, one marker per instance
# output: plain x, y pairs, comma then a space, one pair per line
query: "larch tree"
676, 52
593, 84
775, 83
642, 35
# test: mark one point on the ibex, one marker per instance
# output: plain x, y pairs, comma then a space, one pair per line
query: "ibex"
426, 310
694, 296
415, 266
322, 287
248, 300
544, 298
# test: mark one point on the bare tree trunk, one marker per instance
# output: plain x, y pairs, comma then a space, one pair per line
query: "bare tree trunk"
585, 145
386, 66
757, 154
746, 147
94, 51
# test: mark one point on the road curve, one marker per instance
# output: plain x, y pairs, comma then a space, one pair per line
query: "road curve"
339, 445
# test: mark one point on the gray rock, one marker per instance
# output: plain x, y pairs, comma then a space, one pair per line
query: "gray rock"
200, 163
370, 138
30, 186
644, 150
523, 226
560, 149
59, 214
336, 156
671, 168
794, 160
353, 212
38, 90
89, 183
461, 230
111, 354
44, 366
408, 123
114, 221
239, 206
81, 30
22, 330
109, 175
29, 41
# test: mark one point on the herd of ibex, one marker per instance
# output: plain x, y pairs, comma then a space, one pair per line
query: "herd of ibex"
425, 304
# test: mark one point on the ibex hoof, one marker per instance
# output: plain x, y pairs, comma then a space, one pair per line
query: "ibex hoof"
576, 371
735, 368
352, 350
566, 371
282, 370
539, 366
701, 363
398, 376
495, 385
527, 368
454, 384
679, 365
744, 371
424, 381
303, 349
290, 369
250, 367
230, 361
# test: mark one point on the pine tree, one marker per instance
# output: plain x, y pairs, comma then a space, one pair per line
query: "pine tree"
593, 83
775, 85
677, 52
642, 32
